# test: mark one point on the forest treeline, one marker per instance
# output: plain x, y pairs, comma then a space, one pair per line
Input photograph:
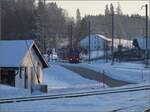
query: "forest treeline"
48, 24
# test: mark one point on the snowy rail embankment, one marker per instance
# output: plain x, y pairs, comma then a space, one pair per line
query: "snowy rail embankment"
8, 92
130, 72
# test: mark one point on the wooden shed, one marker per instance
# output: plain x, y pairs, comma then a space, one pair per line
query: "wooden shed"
21, 63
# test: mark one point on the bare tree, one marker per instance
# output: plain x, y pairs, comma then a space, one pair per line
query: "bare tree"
107, 11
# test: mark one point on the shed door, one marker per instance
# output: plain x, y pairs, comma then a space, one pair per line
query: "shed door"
26, 78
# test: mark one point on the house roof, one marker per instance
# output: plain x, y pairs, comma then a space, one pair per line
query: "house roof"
103, 37
12, 52
97, 36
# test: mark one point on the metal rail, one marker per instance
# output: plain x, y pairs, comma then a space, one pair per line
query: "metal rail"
73, 95
147, 110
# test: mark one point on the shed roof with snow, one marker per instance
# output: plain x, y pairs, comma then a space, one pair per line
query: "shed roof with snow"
12, 52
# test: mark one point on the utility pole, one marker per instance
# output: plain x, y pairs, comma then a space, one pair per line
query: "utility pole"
0, 22
71, 40
31, 80
44, 30
112, 47
0, 34
149, 9
146, 34
89, 40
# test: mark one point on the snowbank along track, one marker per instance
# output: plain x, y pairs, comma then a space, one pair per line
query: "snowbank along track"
75, 94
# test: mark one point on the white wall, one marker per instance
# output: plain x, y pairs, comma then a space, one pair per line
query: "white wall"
19, 81
97, 43
37, 70
123, 42
34, 68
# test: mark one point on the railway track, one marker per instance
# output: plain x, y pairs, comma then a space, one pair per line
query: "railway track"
75, 94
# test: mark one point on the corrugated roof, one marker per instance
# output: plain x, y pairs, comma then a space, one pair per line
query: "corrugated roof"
103, 37
142, 42
98, 36
12, 52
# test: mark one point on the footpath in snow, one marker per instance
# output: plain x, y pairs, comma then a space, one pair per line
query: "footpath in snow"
57, 77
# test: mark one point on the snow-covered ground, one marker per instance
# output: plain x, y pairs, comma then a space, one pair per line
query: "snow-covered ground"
60, 78
57, 77
130, 72
7, 92
117, 102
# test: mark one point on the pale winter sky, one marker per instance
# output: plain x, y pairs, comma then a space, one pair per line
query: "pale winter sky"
97, 6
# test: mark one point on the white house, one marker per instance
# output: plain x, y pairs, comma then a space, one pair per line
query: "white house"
124, 42
21, 63
97, 42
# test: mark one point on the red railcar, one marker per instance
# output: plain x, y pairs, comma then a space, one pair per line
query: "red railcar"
73, 55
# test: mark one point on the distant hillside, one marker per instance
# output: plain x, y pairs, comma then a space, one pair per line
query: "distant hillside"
49, 24
125, 26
